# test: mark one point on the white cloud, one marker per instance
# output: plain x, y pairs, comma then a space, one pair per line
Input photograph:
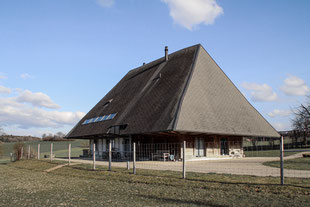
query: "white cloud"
278, 112
190, 13
260, 92
3, 77
105, 3
15, 113
281, 126
5, 90
294, 86
26, 76
36, 99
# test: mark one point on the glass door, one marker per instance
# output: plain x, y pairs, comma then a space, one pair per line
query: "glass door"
200, 148
224, 146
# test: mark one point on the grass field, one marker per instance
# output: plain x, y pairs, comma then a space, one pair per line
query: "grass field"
24, 183
302, 163
267, 153
60, 148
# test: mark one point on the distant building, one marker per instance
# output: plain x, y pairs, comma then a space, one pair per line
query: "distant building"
181, 96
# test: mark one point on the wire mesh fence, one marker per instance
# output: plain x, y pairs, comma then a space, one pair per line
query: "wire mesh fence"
259, 157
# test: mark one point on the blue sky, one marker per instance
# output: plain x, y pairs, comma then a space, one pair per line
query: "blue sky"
59, 58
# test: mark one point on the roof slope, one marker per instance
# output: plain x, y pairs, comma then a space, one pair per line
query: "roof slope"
188, 93
146, 98
213, 104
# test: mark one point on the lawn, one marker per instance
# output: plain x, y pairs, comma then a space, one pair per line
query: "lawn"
24, 183
267, 153
302, 163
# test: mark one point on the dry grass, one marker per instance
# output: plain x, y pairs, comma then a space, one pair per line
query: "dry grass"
24, 183
302, 163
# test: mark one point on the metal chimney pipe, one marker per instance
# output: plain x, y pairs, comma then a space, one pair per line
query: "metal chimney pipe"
166, 53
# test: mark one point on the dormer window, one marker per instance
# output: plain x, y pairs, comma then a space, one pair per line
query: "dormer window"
157, 77
107, 103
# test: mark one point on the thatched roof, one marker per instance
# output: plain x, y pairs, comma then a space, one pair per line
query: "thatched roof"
187, 93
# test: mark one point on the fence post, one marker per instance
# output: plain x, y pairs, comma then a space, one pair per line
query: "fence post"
128, 165
38, 151
281, 160
110, 156
51, 152
184, 159
94, 156
21, 153
28, 151
69, 154
134, 158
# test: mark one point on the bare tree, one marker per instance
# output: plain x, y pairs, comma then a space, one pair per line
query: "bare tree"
17, 147
301, 121
60, 134
2, 131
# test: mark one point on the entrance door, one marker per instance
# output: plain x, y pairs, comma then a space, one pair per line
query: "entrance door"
200, 149
224, 146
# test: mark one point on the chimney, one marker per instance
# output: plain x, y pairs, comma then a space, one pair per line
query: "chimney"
166, 53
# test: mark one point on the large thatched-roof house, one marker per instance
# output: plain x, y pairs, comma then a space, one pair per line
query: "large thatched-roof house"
181, 96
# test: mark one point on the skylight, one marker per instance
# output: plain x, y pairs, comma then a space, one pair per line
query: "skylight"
112, 116
99, 118
105, 117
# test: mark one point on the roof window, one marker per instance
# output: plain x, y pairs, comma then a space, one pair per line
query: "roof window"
99, 119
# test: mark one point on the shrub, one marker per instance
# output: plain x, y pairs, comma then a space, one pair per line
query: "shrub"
19, 148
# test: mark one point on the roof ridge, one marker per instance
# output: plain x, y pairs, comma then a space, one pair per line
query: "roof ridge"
179, 104
158, 61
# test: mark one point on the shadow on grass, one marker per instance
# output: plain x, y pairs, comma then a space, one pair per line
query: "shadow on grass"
88, 168
222, 179
247, 183
203, 180
179, 202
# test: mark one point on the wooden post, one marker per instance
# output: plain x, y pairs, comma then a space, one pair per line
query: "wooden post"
281, 160
110, 156
184, 159
128, 165
51, 152
38, 151
21, 153
69, 154
94, 156
28, 151
134, 158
